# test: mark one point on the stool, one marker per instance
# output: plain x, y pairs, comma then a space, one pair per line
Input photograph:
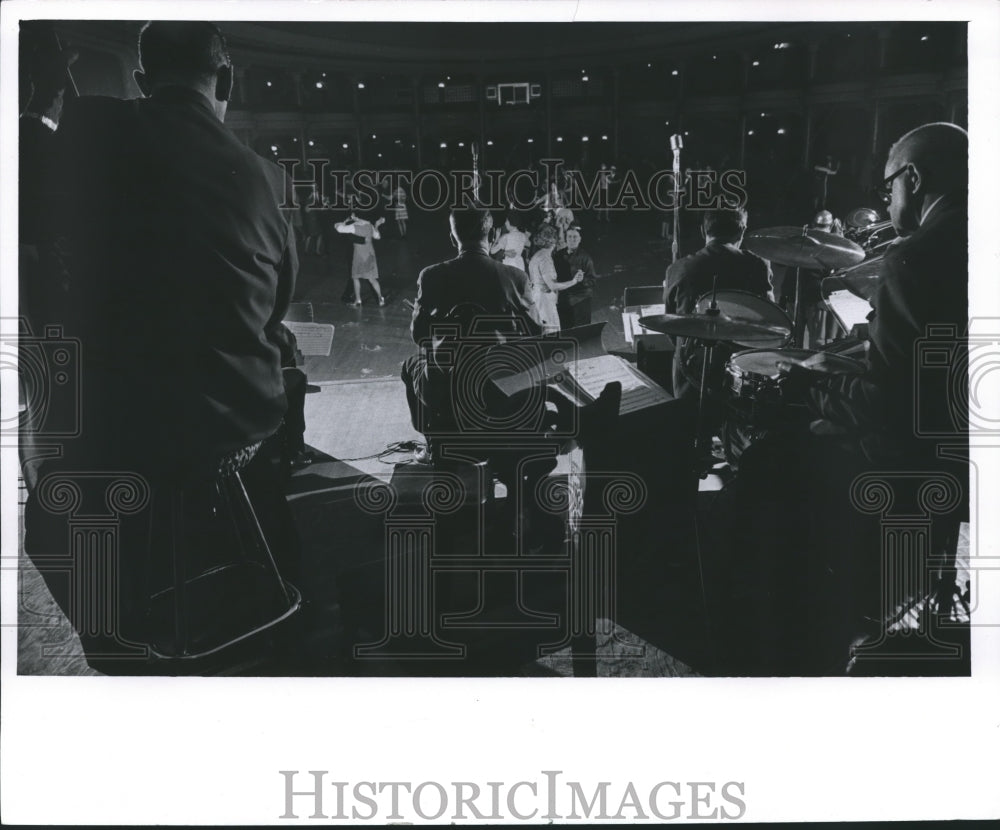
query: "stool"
182, 620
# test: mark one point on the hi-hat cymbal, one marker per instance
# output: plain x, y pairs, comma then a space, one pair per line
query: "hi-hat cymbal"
804, 248
711, 327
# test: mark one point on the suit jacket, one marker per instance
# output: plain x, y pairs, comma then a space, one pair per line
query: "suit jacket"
924, 282
472, 279
182, 266
567, 264
691, 277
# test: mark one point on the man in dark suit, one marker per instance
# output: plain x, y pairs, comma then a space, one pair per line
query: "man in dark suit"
182, 262
923, 282
181, 265
885, 424
482, 298
721, 264
574, 303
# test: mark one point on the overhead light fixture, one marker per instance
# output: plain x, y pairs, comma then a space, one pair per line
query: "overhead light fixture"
380, 155
781, 130
319, 84
374, 136
345, 146
686, 132
756, 63
447, 77
584, 138
322, 74
461, 143
440, 84
311, 142
531, 141
649, 66
604, 138
558, 138
361, 85
675, 73
585, 78
269, 83
489, 143
782, 45
715, 57
749, 132
274, 148
444, 144
924, 37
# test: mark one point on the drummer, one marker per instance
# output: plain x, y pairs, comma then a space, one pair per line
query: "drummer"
720, 265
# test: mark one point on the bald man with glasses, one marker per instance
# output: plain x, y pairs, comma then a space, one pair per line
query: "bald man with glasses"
923, 282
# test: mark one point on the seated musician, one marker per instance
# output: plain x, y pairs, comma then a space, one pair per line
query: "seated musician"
722, 265
824, 557
481, 300
923, 281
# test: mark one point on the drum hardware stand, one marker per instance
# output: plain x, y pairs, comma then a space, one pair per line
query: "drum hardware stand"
707, 349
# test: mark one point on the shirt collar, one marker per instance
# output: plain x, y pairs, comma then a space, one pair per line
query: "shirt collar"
927, 210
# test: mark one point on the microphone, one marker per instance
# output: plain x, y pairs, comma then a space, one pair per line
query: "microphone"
676, 143
475, 151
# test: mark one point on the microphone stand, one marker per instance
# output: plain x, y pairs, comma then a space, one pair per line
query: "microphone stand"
475, 170
676, 143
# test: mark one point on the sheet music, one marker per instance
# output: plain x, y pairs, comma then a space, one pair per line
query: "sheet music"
312, 338
849, 309
594, 373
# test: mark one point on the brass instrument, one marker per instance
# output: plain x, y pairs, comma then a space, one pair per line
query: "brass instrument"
861, 226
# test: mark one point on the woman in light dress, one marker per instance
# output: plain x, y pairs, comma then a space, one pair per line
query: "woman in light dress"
542, 287
512, 241
364, 266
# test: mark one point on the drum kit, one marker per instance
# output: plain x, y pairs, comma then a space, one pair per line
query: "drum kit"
752, 382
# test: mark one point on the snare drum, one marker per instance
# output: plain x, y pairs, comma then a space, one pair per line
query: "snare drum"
740, 305
755, 401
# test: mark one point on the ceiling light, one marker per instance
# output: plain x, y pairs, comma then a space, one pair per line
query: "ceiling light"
269, 83
531, 141
585, 78
345, 146
441, 85
360, 85
675, 73
373, 135
585, 138
444, 144
558, 138
319, 84
756, 63
749, 132
604, 138
924, 37
489, 143
461, 143
781, 130
274, 148
311, 142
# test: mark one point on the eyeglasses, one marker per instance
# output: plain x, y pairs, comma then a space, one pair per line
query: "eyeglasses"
884, 190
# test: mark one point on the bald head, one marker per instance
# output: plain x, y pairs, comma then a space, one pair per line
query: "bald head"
931, 161
939, 151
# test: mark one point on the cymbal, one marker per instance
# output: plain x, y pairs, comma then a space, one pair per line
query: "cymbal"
711, 327
804, 248
861, 280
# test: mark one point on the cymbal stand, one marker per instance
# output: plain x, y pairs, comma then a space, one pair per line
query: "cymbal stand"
707, 348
